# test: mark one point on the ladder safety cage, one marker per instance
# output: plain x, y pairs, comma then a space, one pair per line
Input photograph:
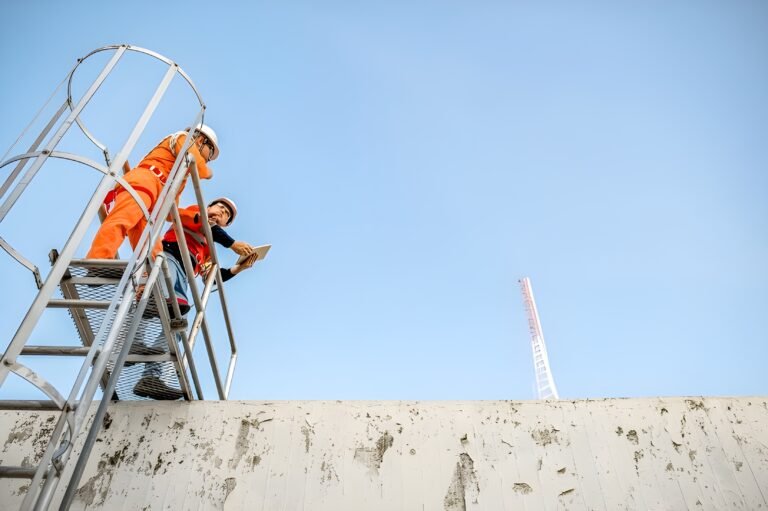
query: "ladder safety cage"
111, 302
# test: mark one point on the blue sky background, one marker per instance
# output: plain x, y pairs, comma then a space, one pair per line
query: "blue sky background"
410, 161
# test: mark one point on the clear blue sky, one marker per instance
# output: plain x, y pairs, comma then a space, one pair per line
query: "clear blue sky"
409, 161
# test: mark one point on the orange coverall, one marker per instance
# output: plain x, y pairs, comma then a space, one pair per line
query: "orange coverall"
148, 179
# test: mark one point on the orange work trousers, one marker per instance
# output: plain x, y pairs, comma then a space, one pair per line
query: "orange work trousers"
126, 219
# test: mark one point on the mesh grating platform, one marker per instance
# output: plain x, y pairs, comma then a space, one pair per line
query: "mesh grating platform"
158, 379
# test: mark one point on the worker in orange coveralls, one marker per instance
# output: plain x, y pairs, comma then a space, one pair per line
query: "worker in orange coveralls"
148, 178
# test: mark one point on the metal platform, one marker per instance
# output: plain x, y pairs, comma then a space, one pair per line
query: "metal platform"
95, 285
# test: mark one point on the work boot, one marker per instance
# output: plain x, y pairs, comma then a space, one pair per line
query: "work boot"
139, 348
155, 388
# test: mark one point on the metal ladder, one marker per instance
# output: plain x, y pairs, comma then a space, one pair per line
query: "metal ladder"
102, 297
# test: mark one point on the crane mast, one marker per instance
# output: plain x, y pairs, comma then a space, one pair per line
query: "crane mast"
545, 384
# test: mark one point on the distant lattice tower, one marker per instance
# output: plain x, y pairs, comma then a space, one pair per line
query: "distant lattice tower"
545, 384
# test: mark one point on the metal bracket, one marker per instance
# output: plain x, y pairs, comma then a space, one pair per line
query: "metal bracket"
23, 261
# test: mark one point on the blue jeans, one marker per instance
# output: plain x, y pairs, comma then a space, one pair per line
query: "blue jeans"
165, 370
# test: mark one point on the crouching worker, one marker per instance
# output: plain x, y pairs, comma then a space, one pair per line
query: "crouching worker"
148, 178
220, 213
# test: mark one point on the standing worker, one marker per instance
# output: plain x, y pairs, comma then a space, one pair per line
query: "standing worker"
220, 213
148, 179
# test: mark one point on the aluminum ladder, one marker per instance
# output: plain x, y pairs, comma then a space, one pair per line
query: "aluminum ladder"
103, 298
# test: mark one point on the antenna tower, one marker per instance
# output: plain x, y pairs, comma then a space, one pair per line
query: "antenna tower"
545, 384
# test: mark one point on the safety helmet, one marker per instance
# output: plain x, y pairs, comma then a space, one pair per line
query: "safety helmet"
230, 204
211, 136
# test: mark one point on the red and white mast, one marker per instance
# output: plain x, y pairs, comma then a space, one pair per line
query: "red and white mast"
545, 384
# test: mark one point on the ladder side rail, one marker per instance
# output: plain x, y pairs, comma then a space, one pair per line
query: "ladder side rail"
222, 294
95, 369
58, 135
196, 295
32, 148
200, 321
186, 358
96, 422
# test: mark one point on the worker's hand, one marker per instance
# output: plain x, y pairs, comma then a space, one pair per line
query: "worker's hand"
241, 248
244, 265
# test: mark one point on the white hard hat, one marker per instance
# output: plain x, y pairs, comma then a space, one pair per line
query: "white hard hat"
211, 136
230, 204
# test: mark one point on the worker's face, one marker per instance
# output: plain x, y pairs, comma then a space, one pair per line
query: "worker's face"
218, 214
204, 146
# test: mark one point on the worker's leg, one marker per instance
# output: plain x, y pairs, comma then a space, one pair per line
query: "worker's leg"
126, 215
157, 377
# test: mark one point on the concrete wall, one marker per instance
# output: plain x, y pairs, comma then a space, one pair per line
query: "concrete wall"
671, 453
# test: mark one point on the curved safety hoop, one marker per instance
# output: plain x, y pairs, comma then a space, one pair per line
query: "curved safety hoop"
89, 163
127, 47
39, 382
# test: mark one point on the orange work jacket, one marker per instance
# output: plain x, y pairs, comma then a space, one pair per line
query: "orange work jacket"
163, 156
193, 234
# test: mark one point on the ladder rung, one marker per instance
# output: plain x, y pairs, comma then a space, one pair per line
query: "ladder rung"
30, 404
71, 351
63, 303
17, 472
98, 263
93, 281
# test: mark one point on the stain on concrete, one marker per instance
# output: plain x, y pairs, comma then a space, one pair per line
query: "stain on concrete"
738, 465
544, 437
523, 488
373, 456
307, 432
241, 443
463, 487
98, 485
676, 446
695, 405
107, 422
328, 473
670, 467
692, 455
619, 431
21, 432
632, 436
229, 486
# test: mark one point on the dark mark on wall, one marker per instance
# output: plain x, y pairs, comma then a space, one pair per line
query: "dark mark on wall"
463, 486
373, 456
523, 488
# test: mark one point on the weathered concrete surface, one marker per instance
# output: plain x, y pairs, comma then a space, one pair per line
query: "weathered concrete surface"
671, 453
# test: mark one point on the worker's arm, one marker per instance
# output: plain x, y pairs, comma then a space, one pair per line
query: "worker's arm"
190, 216
221, 237
228, 273
203, 170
